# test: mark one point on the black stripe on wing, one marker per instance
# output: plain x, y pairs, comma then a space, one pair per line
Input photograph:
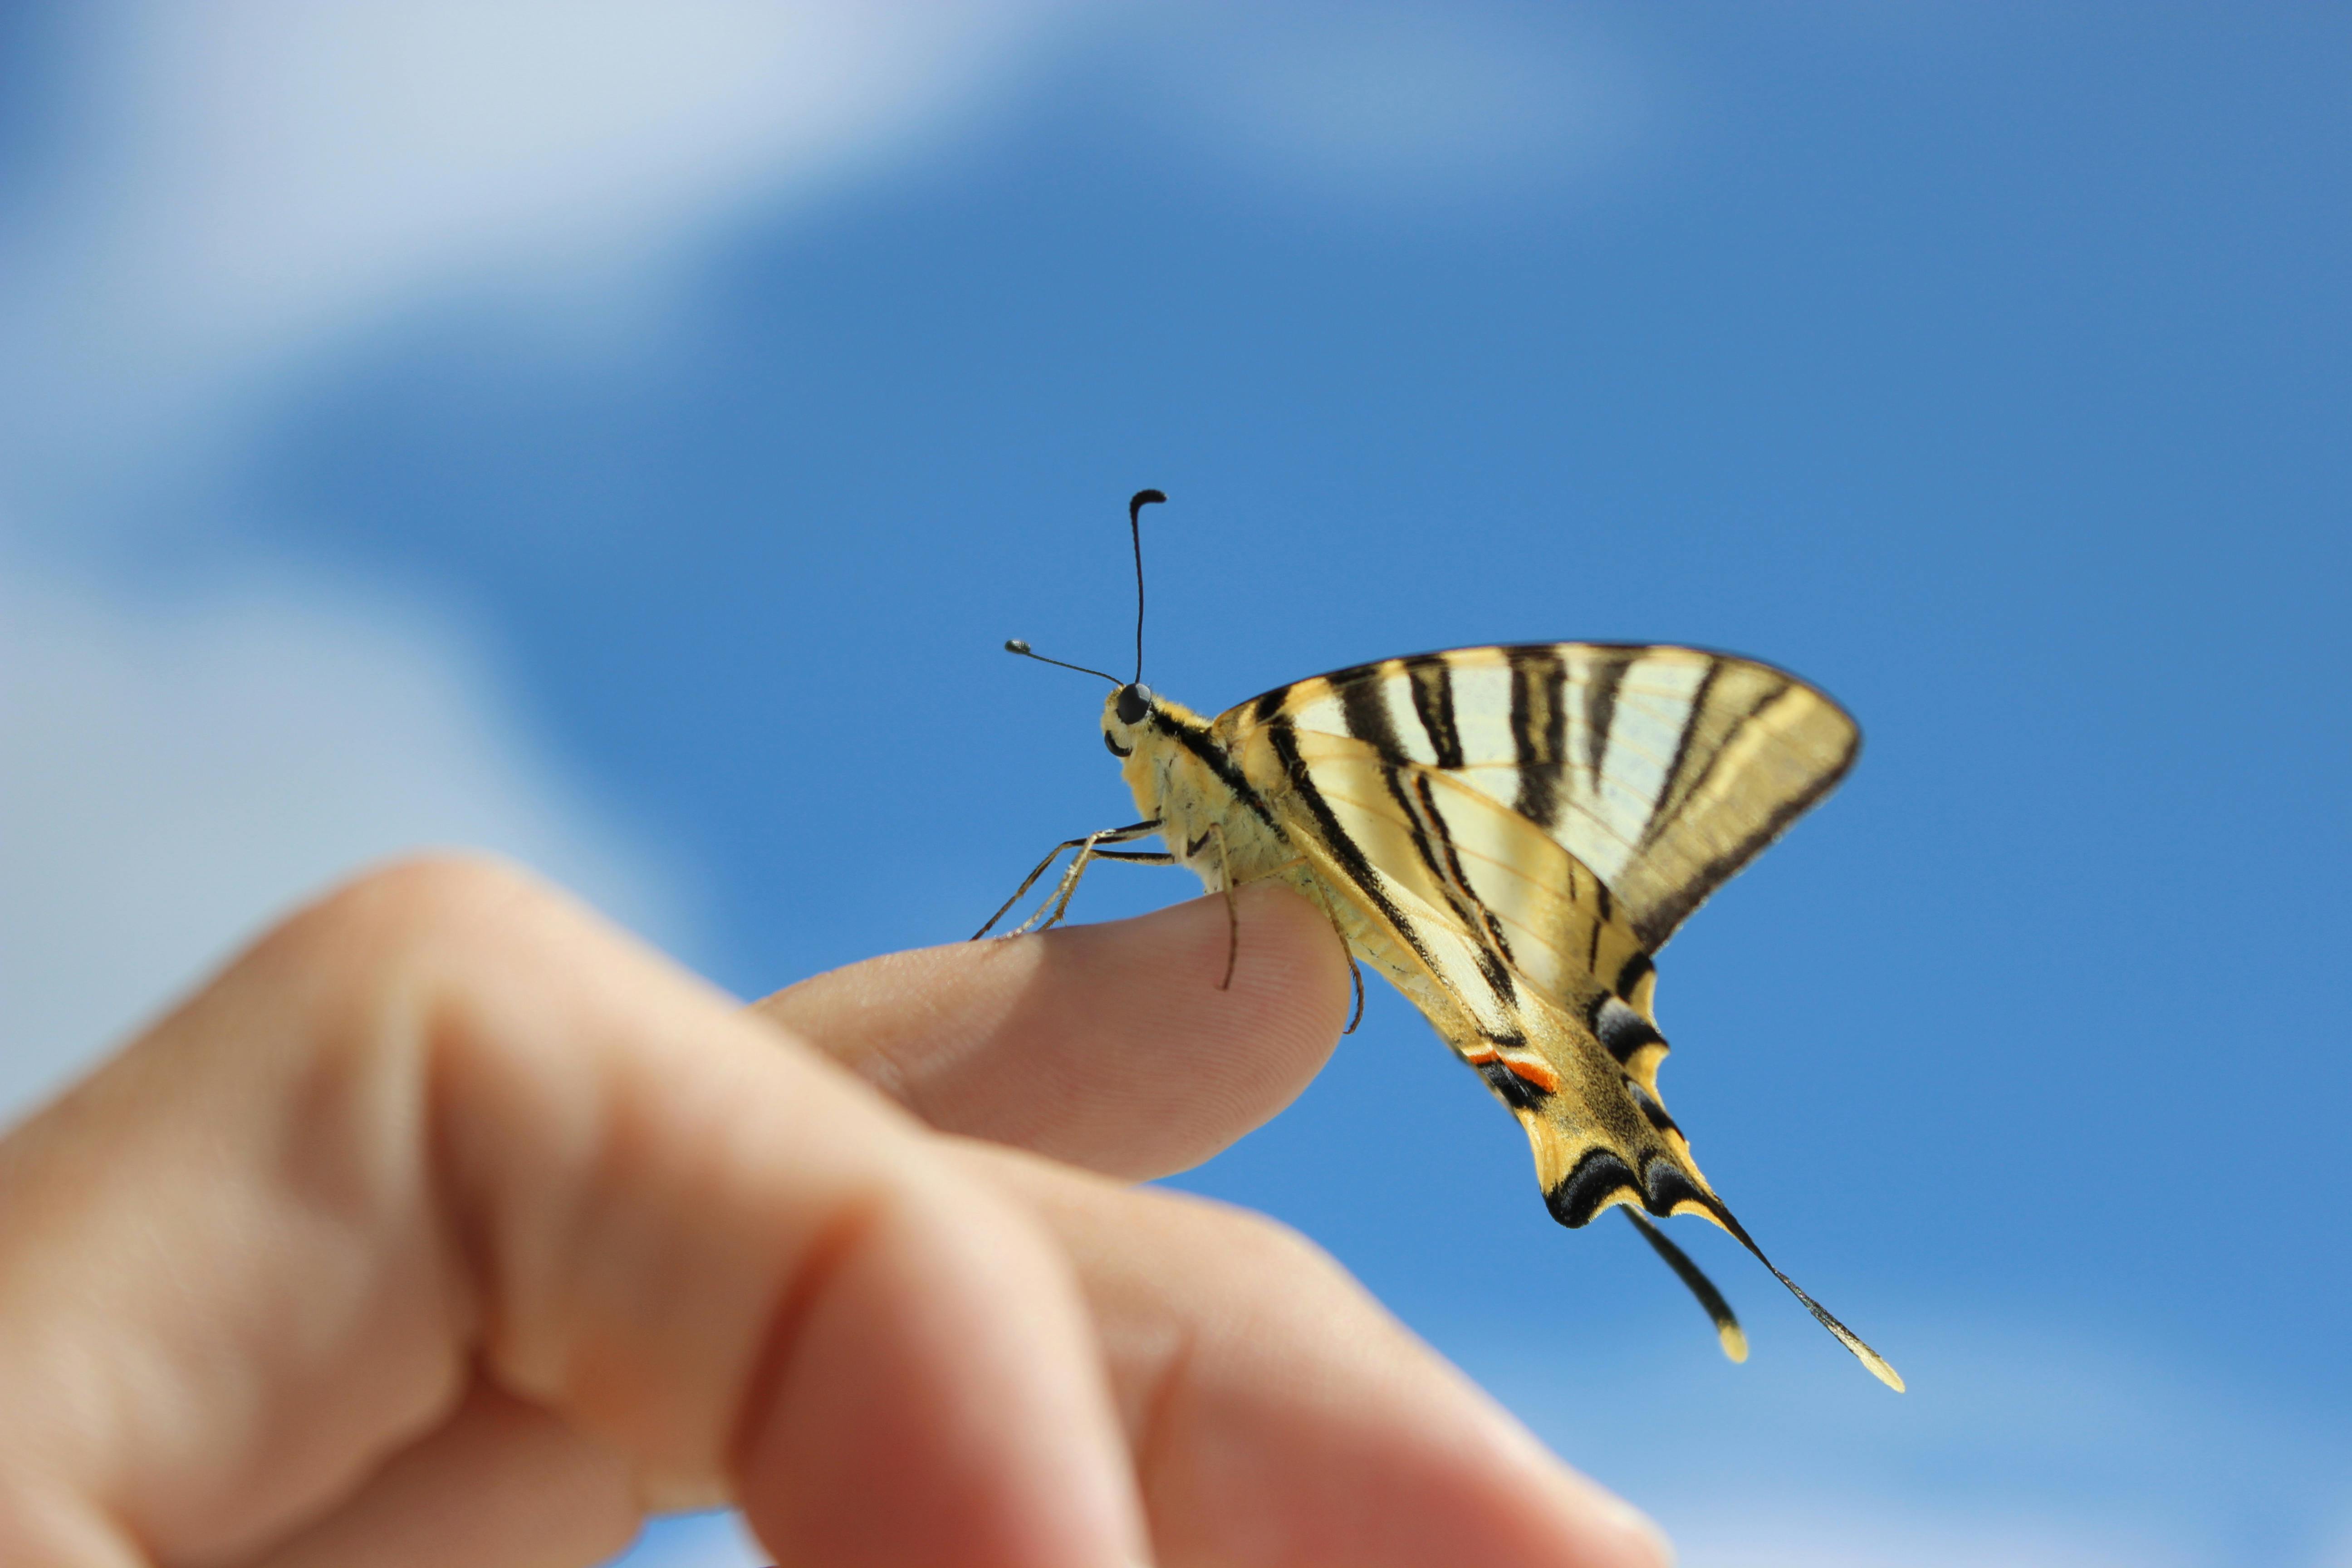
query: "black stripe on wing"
1676, 791
1342, 845
1539, 733
1202, 742
1600, 718
1664, 917
1433, 702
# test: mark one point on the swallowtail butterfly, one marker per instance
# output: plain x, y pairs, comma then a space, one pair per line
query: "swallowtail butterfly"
1508, 835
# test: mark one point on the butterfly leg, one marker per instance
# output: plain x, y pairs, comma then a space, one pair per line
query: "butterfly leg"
1355, 971
1217, 830
1049, 914
1086, 850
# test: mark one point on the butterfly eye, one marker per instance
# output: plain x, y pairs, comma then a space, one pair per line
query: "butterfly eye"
1134, 702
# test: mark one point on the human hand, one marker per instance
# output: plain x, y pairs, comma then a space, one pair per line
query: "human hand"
450, 1227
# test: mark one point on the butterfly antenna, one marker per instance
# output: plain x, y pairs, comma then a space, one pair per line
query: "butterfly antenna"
1016, 645
1135, 505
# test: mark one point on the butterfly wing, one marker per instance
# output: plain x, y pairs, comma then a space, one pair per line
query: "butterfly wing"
1662, 769
1441, 801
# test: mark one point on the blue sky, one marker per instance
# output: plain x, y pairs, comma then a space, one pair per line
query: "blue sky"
625, 443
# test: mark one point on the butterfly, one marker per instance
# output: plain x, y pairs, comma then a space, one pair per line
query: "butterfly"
1508, 835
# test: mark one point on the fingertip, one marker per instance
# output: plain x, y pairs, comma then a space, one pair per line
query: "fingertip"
1644, 1545
1265, 958
1614, 1533
1602, 1529
1529, 1506
1125, 1048
1216, 1014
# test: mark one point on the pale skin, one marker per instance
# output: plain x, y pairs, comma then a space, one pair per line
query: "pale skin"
448, 1225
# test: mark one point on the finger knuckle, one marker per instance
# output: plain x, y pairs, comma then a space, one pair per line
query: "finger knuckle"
1271, 1248
414, 898
385, 922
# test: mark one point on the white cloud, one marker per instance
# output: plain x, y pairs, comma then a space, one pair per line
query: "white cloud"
248, 186
1397, 104
2040, 1448
1775, 1534
248, 183
174, 772
239, 190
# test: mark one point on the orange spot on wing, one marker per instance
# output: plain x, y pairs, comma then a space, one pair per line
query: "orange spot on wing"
1535, 1073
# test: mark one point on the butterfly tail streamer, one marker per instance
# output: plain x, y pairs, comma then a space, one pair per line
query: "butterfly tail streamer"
1878, 1365
1727, 1330
1583, 1172
1602, 1140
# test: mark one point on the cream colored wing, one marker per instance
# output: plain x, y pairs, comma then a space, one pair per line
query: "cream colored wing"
1662, 769
1529, 966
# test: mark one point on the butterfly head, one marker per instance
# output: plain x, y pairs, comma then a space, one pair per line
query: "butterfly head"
1125, 712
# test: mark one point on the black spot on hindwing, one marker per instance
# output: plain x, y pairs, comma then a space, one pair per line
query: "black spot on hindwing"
1621, 1030
1652, 1111
1665, 1185
1629, 974
1598, 1177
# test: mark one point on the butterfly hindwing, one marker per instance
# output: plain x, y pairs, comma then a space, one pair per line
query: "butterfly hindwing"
1492, 928
1449, 895
1495, 906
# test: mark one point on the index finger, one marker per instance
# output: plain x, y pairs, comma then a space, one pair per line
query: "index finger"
1110, 1046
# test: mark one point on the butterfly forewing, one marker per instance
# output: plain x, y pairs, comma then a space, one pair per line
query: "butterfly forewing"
1661, 769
